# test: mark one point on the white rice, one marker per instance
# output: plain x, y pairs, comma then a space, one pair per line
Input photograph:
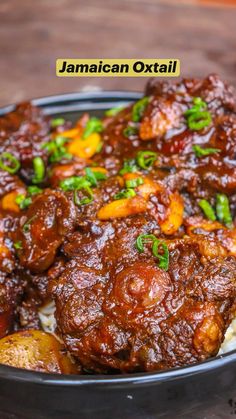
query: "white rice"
47, 318
48, 321
229, 343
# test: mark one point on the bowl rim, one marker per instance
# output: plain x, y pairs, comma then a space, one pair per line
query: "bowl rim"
101, 100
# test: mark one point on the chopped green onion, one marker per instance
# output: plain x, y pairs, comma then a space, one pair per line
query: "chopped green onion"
145, 159
93, 176
130, 131
90, 176
56, 149
18, 245
163, 257
125, 193
34, 190
223, 210
199, 120
139, 108
99, 147
197, 116
199, 105
56, 122
129, 166
99, 175
151, 238
9, 163
143, 239
22, 201
93, 125
207, 209
19, 199
74, 183
133, 183
114, 111
199, 151
39, 170
26, 226
87, 200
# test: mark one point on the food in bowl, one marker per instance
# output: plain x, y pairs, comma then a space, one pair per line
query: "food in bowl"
118, 240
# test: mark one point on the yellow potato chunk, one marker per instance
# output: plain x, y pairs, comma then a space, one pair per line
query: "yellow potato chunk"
35, 350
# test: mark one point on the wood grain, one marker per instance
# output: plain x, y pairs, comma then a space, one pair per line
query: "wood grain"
33, 34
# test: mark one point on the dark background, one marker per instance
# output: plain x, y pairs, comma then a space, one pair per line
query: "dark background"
33, 34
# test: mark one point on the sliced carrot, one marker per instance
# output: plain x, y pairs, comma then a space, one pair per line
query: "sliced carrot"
202, 224
71, 133
99, 169
8, 202
149, 187
134, 175
174, 217
122, 208
84, 148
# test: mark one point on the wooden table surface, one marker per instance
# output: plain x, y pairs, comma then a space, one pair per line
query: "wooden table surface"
33, 34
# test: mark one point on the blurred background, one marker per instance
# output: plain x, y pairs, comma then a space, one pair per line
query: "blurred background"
33, 34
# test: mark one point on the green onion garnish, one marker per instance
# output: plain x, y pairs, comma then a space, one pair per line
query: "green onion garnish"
56, 149
99, 147
143, 239
139, 108
56, 122
198, 117
199, 151
87, 200
133, 183
125, 193
74, 183
114, 111
199, 120
163, 257
207, 209
93, 176
79, 183
223, 210
99, 175
93, 125
34, 190
22, 201
39, 170
25, 201
26, 226
198, 105
90, 176
145, 159
129, 166
18, 245
9, 163
130, 131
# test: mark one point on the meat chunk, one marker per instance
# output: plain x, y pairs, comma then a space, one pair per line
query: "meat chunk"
22, 134
143, 318
48, 220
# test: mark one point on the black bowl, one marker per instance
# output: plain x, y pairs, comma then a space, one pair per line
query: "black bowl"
204, 390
